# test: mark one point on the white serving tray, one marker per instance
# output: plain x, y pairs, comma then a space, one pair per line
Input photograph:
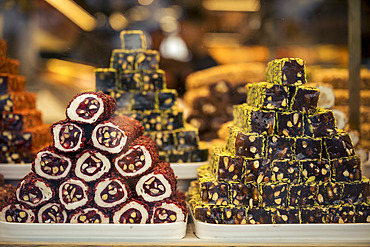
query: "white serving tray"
91, 232
186, 170
284, 233
15, 171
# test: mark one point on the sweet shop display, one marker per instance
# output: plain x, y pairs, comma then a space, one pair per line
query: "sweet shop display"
7, 191
135, 81
99, 169
285, 160
211, 94
22, 130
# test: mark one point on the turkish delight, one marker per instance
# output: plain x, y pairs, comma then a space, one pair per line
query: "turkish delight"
286, 71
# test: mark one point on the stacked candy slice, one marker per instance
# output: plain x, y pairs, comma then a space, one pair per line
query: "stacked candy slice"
22, 130
136, 82
285, 160
100, 169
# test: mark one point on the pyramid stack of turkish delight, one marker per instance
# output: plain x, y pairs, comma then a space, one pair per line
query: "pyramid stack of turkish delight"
99, 169
285, 160
22, 131
138, 85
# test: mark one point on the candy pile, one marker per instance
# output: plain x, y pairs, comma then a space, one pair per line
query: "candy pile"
22, 131
138, 85
285, 160
100, 169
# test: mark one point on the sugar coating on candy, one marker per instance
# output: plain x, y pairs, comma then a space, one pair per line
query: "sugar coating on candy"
88, 215
52, 213
132, 212
91, 165
51, 165
34, 191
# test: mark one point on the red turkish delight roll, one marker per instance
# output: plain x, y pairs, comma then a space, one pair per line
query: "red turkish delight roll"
91, 107
91, 165
113, 135
16, 212
73, 194
139, 158
50, 164
132, 212
111, 192
34, 191
67, 136
158, 184
89, 215
168, 211
52, 213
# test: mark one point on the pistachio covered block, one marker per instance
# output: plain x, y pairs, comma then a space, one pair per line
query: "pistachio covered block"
105, 79
267, 95
315, 170
214, 192
341, 214
347, 169
286, 71
279, 147
244, 194
274, 194
314, 215
258, 170
234, 215
320, 124
285, 171
285, 215
228, 167
137, 84
133, 40
208, 214
303, 98
307, 148
303, 195
259, 215
289, 124
338, 146
329, 193
242, 143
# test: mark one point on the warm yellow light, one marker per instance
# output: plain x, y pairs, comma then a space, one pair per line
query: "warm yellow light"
75, 13
232, 5
70, 69
117, 21
145, 2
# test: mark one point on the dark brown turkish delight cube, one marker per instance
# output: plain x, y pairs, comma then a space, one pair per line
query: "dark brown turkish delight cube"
153, 80
143, 101
285, 171
179, 156
199, 155
279, 147
229, 167
329, 193
152, 121
362, 213
288, 215
11, 121
214, 192
267, 95
186, 139
173, 120
314, 215
341, 214
147, 60
355, 192
257, 170
250, 145
167, 99
123, 99
286, 71
132, 40
244, 194
320, 124
122, 60
128, 80
234, 215
308, 148
105, 79
165, 139
347, 169
289, 124
259, 216
339, 146
303, 195
262, 122
315, 171
208, 214
304, 99
274, 194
